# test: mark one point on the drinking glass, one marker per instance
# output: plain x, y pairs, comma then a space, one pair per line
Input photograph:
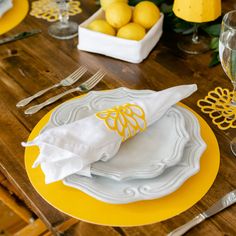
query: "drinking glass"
233, 145
64, 29
227, 49
194, 44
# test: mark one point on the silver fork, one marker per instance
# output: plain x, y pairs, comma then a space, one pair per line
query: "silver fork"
69, 80
84, 87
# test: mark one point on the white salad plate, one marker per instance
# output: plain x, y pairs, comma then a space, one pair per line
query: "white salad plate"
147, 154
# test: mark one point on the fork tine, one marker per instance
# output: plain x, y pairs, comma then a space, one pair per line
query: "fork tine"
89, 83
98, 73
80, 68
78, 73
96, 81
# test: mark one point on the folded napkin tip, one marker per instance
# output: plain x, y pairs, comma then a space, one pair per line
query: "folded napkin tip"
195, 87
29, 143
192, 87
49, 181
35, 164
24, 144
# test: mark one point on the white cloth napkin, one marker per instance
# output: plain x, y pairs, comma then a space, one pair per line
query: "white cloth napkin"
73, 147
5, 5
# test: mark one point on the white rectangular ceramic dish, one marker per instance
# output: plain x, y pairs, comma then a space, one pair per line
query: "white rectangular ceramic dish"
127, 50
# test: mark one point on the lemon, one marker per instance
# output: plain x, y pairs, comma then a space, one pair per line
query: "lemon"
131, 31
106, 3
101, 26
118, 14
146, 14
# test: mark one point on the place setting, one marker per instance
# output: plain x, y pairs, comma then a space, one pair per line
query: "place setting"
103, 163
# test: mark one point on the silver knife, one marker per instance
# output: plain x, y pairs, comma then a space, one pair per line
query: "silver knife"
226, 201
21, 35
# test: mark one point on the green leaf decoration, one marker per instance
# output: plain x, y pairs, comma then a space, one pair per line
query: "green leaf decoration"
183, 27
214, 45
215, 60
166, 9
213, 30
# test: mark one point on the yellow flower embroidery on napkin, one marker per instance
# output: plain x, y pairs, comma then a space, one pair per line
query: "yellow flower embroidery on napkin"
127, 120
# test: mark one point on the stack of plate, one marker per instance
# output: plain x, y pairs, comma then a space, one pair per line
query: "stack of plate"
150, 165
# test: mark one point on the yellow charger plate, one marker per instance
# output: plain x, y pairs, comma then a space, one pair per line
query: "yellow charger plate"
80, 205
14, 16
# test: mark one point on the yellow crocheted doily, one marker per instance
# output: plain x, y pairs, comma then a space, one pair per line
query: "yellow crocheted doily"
217, 105
127, 120
49, 10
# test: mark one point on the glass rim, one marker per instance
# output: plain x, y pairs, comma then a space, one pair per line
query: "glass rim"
224, 19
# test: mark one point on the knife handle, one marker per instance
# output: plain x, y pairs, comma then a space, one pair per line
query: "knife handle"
184, 228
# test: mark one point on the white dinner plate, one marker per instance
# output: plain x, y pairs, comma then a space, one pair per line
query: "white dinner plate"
147, 154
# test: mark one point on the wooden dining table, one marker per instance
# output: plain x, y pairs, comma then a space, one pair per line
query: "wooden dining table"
37, 62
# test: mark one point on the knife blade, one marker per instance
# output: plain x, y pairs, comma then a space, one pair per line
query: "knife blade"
18, 36
226, 201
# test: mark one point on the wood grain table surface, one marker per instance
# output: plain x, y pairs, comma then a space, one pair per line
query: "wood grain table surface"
29, 65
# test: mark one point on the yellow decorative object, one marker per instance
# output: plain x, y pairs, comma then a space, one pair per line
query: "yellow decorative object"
131, 31
217, 105
106, 3
118, 14
197, 10
101, 26
49, 10
89, 209
14, 16
127, 120
146, 14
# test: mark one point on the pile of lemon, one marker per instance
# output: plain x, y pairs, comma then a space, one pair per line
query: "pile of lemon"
123, 21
